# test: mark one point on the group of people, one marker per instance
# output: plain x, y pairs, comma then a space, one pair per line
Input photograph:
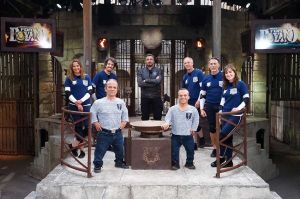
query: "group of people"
200, 98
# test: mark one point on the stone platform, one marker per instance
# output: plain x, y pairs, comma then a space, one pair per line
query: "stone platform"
63, 182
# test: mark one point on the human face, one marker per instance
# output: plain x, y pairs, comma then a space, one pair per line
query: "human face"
183, 97
230, 75
188, 64
76, 68
149, 61
111, 89
213, 66
109, 66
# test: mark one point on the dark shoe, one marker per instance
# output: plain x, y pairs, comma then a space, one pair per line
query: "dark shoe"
213, 153
190, 166
97, 169
202, 142
74, 151
229, 164
214, 163
175, 167
195, 147
121, 165
110, 148
82, 154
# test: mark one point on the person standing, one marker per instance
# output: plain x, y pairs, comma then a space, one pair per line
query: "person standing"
235, 98
149, 78
210, 97
192, 82
109, 117
103, 76
78, 89
184, 120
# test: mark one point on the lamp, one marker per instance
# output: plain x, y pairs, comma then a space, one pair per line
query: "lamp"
146, 3
200, 43
157, 3
102, 44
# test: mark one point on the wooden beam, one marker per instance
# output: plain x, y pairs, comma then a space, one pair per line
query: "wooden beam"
87, 35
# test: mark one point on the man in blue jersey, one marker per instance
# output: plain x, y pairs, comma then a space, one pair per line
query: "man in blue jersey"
210, 97
192, 82
103, 76
184, 120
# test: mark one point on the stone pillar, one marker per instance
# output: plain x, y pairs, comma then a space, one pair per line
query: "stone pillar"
216, 29
259, 85
46, 86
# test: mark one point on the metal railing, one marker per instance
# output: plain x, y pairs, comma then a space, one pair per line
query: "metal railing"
65, 149
239, 147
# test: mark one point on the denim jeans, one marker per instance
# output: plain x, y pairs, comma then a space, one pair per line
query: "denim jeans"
188, 142
226, 128
105, 139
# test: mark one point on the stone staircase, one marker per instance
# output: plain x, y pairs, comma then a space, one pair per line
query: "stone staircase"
259, 161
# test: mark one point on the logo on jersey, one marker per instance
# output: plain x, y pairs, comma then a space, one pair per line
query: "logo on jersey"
119, 106
188, 116
74, 82
208, 84
233, 91
104, 81
154, 73
186, 81
221, 83
85, 82
195, 79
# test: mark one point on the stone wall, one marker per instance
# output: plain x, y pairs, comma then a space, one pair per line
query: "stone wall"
285, 125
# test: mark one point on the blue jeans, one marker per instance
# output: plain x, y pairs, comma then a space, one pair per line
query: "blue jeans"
188, 142
225, 130
105, 139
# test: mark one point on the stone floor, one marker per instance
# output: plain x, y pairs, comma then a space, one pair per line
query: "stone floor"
64, 182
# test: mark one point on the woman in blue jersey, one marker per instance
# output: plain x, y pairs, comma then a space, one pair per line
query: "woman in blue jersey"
235, 97
78, 88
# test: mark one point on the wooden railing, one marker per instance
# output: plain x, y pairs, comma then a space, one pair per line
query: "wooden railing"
239, 148
67, 125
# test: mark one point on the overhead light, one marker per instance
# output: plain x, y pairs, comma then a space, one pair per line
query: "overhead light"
248, 5
102, 44
146, 3
58, 5
200, 43
123, 2
157, 3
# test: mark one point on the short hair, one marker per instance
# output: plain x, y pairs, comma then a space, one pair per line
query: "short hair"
189, 59
215, 58
184, 89
111, 80
150, 55
113, 60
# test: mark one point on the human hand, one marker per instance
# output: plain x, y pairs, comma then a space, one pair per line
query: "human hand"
97, 126
123, 124
80, 108
165, 126
202, 113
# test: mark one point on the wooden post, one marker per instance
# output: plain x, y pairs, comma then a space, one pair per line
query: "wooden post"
216, 29
87, 35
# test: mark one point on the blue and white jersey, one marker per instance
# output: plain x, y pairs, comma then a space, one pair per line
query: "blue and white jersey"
183, 122
192, 82
79, 89
212, 86
234, 96
99, 82
109, 113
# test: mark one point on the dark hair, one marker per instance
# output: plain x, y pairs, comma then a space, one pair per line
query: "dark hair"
113, 60
226, 81
151, 55
215, 58
71, 74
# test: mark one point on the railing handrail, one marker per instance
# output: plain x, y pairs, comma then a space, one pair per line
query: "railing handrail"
235, 148
84, 168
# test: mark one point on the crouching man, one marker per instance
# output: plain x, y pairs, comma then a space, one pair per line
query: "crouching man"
184, 120
109, 117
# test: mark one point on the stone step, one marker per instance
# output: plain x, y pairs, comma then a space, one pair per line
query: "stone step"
275, 195
31, 195
64, 182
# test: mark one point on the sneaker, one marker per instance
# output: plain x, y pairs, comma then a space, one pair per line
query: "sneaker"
82, 154
175, 167
74, 151
227, 164
214, 163
195, 147
202, 142
97, 169
121, 165
190, 165
213, 153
